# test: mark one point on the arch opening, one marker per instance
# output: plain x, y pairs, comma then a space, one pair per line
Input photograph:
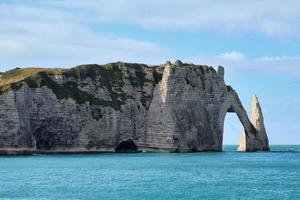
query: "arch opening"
127, 146
232, 130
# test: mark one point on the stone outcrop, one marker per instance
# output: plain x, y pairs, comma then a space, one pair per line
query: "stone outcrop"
262, 142
122, 107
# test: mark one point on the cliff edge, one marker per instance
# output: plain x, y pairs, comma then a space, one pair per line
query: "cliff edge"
119, 107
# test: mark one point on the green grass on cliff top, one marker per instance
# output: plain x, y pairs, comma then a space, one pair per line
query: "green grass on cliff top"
110, 76
80, 71
18, 74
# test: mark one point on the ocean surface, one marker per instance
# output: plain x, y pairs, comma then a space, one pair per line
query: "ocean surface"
223, 175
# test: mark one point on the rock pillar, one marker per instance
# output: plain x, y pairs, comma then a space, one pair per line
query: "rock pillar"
258, 141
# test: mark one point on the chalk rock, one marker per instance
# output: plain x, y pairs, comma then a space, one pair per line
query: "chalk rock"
262, 142
122, 107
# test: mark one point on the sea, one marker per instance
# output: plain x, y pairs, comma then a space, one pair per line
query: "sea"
211, 175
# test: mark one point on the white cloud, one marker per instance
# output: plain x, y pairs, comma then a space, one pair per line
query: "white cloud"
274, 18
46, 36
238, 63
233, 55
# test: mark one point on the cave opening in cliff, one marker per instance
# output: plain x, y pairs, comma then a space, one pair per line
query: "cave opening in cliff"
127, 146
231, 132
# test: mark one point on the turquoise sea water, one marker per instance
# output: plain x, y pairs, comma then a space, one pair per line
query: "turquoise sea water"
224, 175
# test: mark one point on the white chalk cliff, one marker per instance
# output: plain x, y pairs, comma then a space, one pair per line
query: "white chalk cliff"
121, 107
257, 120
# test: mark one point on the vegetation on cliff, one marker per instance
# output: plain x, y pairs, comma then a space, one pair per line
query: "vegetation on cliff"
110, 76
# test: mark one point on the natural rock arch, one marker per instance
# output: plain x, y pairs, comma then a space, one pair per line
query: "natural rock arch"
254, 137
232, 129
123, 107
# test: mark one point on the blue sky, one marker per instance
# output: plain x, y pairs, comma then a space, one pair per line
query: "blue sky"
258, 43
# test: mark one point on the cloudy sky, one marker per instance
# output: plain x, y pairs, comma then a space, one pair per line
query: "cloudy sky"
258, 43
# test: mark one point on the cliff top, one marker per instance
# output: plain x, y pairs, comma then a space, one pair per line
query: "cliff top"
19, 74
33, 76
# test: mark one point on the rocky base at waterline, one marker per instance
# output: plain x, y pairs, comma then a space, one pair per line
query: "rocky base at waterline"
122, 107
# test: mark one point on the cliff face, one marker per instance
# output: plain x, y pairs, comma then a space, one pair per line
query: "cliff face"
118, 107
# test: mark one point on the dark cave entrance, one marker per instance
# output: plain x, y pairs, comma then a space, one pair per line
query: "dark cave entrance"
127, 146
44, 140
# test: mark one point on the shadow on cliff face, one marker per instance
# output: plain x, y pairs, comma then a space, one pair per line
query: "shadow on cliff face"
127, 146
44, 139
49, 140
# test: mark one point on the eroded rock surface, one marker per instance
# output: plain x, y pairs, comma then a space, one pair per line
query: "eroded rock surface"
120, 107
262, 142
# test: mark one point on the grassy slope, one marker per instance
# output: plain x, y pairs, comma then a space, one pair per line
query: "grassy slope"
17, 75
111, 77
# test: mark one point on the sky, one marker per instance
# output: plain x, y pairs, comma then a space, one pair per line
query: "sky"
258, 43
